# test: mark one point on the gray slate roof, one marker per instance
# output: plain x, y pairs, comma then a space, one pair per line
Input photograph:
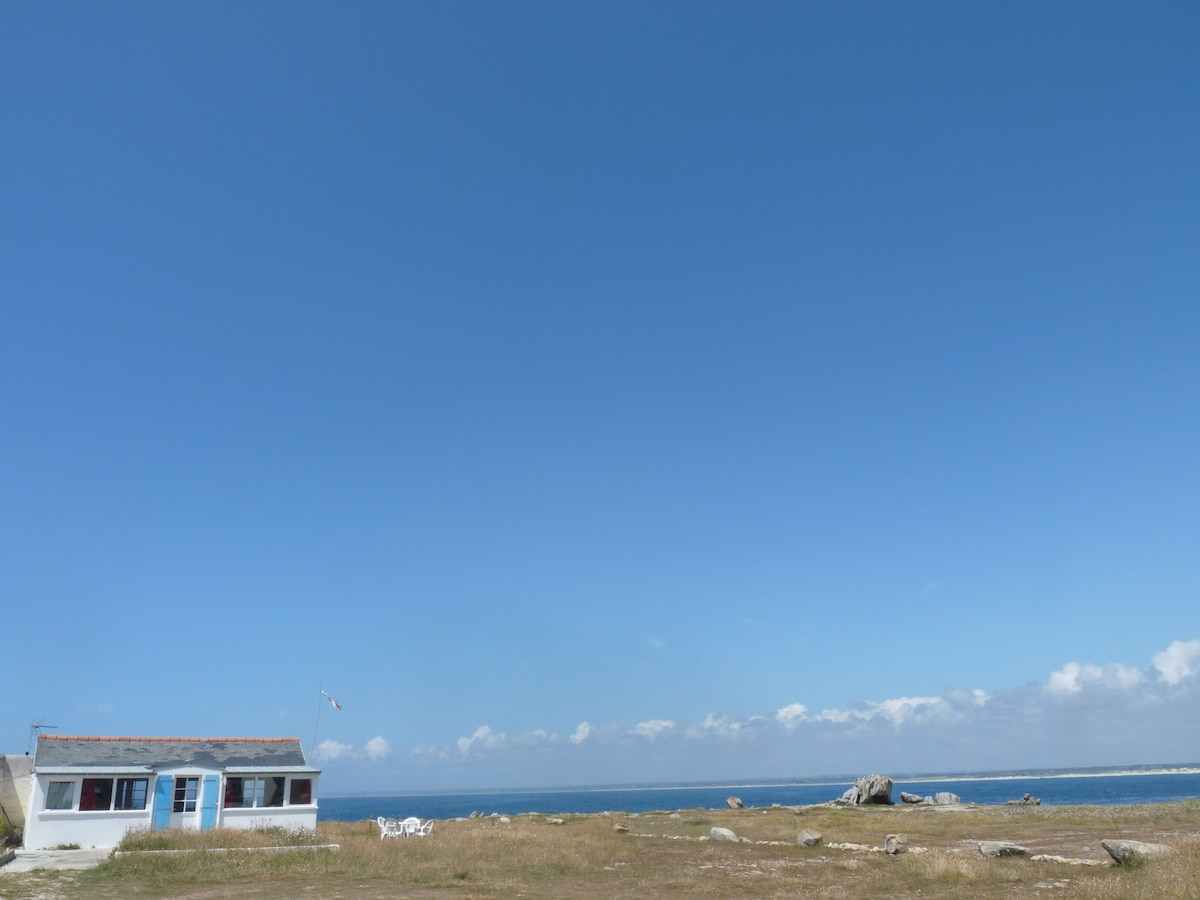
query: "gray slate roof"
208, 753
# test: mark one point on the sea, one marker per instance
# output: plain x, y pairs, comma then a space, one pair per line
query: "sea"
1101, 787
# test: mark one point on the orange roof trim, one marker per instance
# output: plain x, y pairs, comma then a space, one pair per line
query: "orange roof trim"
192, 740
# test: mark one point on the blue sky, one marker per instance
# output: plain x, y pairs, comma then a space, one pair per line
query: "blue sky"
603, 393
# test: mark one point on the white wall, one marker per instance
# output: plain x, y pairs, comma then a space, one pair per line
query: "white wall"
289, 817
292, 818
45, 828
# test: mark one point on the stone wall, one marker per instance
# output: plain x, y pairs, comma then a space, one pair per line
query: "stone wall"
16, 776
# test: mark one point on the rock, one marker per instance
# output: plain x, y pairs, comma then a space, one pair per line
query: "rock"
896, 843
945, 798
1065, 860
997, 849
808, 838
735, 803
504, 820
873, 788
1128, 853
620, 828
911, 798
555, 820
717, 833
1025, 801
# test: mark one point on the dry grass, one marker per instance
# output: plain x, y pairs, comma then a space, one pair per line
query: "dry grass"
665, 854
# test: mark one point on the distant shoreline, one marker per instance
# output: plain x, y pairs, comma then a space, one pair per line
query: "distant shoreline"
1115, 773
829, 781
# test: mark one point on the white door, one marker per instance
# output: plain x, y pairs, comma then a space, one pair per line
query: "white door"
185, 804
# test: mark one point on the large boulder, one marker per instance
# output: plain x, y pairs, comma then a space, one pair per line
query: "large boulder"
945, 798
873, 788
808, 838
896, 843
911, 798
734, 803
1128, 853
718, 833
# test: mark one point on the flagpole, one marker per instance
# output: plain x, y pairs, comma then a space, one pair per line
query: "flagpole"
313, 749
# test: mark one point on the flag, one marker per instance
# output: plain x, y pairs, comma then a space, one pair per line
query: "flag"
336, 705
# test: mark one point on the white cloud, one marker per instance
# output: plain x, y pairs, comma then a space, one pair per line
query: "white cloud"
329, 750
377, 748
897, 711
1175, 663
653, 728
791, 715
1069, 679
483, 738
715, 725
1125, 676
963, 697
531, 738
1065, 721
1072, 677
902, 709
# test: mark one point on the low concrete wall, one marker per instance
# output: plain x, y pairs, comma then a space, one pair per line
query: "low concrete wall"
16, 777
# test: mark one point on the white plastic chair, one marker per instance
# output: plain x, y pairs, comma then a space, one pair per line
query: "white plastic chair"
410, 826
424, 829
389, 828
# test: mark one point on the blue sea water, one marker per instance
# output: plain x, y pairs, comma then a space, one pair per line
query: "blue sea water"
1056, 790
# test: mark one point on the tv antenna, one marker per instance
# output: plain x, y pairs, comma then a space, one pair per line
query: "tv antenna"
36, 728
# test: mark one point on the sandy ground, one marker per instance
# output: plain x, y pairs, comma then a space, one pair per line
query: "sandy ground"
28, 860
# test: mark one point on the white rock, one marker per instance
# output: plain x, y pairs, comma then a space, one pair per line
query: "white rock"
1002, 848
1128, 852
808, 838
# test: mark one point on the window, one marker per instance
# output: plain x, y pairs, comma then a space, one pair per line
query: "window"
187, 789
274, 791
96, 794
131, 793
243, 792
60, 795
254, 792
301, 791
234, 792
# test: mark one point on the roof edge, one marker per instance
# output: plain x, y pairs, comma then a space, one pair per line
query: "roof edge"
176, 740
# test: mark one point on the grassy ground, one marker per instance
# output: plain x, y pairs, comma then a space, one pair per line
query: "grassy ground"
663, 854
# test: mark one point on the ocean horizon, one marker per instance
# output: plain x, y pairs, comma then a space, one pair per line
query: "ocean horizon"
1106, 786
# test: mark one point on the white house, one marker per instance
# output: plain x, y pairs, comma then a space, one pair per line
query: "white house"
90, 790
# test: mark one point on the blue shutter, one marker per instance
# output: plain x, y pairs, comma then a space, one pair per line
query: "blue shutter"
162, 801
208, 802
